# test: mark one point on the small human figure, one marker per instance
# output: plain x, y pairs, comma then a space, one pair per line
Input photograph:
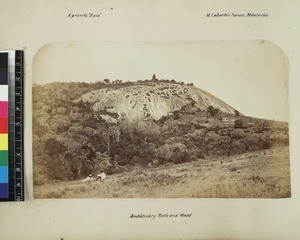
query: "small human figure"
102, 175
88, 178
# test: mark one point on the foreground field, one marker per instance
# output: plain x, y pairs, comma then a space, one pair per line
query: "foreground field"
260, 174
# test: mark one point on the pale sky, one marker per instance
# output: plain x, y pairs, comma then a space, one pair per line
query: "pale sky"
250, 76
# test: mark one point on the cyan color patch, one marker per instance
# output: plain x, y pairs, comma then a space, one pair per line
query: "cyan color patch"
4, 174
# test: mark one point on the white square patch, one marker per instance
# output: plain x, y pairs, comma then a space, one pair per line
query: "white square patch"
3, 92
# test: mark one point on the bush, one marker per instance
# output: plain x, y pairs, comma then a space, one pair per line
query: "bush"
200, 155
173, 152
238, 123
181, 156
266, 143
237, 134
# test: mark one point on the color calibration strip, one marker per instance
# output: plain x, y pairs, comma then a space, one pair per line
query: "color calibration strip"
11, 126
4, 179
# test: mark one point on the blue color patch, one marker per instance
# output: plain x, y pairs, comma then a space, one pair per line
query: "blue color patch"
4, 174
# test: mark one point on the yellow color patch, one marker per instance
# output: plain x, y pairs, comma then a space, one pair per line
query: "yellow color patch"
3, 141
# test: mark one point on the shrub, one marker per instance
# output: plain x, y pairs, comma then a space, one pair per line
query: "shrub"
238, 123
266, 143
237, 147
180, 156
173, 152
200, 155
237, 134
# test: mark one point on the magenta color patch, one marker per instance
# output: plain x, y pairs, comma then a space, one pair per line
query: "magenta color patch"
3, 109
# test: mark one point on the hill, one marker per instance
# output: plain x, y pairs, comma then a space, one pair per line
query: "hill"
80, 128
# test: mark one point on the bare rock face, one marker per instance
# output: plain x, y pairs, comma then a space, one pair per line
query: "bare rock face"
149, 100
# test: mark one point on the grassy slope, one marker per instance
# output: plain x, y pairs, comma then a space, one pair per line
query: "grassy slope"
259, 174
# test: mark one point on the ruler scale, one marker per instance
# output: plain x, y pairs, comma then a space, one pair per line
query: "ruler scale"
18, 131
15, 127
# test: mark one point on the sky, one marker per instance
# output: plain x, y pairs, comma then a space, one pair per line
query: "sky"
250, 75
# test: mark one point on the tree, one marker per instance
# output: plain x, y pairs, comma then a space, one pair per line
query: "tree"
212, 111
53, 146
106, 80
154, 77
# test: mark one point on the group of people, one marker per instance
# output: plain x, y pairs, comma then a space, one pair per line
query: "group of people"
100, 176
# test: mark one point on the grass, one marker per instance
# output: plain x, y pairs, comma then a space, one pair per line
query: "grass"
259, 174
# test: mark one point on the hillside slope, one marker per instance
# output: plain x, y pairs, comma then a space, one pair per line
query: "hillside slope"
258, 174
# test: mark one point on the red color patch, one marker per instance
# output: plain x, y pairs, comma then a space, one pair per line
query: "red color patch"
3, 125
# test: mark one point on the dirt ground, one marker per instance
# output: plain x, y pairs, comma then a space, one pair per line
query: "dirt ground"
259, 174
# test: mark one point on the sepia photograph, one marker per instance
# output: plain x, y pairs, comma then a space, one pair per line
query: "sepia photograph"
188, 119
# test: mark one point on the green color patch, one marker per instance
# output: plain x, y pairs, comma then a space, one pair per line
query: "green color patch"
3, 158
